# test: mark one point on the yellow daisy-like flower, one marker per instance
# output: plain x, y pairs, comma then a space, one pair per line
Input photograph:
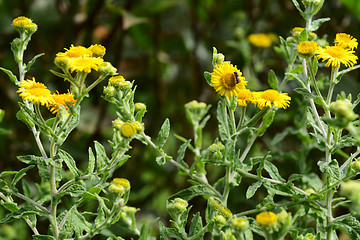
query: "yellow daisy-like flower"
75, 52
307, 48
97, 50
334, 55
227, 80
128, 129
35, 92
21, 21
244, 96
61, 99
266, 218
261, 40
272, 97
346, 41
85, 64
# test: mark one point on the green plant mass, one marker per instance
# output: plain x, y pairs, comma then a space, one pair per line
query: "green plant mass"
270, 150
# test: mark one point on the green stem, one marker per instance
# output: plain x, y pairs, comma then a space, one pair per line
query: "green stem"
96, 82
248, 147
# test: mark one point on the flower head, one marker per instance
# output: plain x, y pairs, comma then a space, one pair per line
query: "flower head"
262, 40
97, 50
334, 55
244, 96
128, 129
23, 23
76, 52
307, 48
85, 64
271, 97
266, 218
227, 79
35, 92
346, 41
61, 99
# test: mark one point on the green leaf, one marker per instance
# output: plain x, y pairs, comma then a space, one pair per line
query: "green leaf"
10, 206
181, 153
19, 176
145, 230
267, 120
332, 169
305, 93
252, 189
191, 192
70, 163
91, 165
273, 171
207, 76
222, 120
163, 133
196, 226
101, 158
75, 190
12, 77
161, 160
350, 225
297, 5
30, 159
31, 62
43, 237
19, 214
317, 23
272, 80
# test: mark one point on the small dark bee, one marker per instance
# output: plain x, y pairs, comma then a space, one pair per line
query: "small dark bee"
237, 77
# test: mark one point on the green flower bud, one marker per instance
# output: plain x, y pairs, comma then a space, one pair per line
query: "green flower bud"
119, 186
342, 108
139, 106
220, 209
219, 221
24, 24
239, 224
125, 85
177, 206
128, 129
309, 236
62, 62
138, 126
107, 69
110, 91
355, 166
97, 50
117, 123
195, 105
218, 58
116, 80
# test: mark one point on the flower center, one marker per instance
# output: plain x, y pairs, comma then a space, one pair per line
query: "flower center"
337, 52
270, 95
229, 81
39, 92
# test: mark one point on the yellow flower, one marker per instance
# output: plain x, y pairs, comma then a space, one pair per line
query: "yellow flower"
244, 96
271, 96
128, 129
334, 55
85, 64
119, 186
346, 41
75, 52
227, 79
307, 48
266, 218
21, 21
262, 40
61, 99
35, 92
97, 50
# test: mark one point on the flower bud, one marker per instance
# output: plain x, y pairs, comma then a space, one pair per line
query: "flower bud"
355, 166
128, 129
195, 105
219, 221
178, 206
119, 186
220, 209
138, 126
342, 108
110, 91
22, 24
107, 69
116, 80
266, 218
239, 224
117, 123
62, 62
139, 106
97, 50
125, 85
217, 59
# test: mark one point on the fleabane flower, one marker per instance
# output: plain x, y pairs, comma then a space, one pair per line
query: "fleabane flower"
35, 92
245, 96
61, 99
307, 48
262, 40
227, 80
97, 50
334, 55
346, 41
85, 64
270, 98
266, 218
75, 52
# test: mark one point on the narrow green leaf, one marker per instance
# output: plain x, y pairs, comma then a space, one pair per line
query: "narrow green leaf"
91, 165
10, 206
30, 159
252, 189
19, 176
222, 121
101, 158
163, 133
273, 171
31, 62
272, 80
207, 76
350, 225
70, 163
317, 23
191, 192
196, 226
12, 77
181, 153
267, 120
305, 93
43, 237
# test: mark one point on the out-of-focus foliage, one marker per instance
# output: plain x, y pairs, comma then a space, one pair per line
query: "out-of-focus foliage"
165, 45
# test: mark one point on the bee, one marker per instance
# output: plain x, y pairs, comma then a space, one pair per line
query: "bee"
237, 77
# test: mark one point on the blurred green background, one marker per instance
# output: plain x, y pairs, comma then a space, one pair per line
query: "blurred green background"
165, 45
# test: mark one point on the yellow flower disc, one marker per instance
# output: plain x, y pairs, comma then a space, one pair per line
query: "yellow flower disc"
61, 99
225, 81
21, 21
334, 55
128, 129
346, 41
97, 50
35, 92
85, 64
307, 48
75, 52
260, 40
266, 218
272, 97
244, 96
